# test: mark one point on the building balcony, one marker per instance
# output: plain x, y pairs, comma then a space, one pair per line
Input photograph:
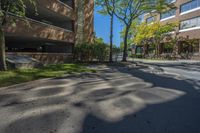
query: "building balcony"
36, 30
61, 7
68, 2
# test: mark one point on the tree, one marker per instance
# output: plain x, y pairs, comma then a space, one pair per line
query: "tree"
17, 7
153, 33
131, 33
86, 52
188, 44
143, 36
98, 40
160, 33
129, 10
107, 8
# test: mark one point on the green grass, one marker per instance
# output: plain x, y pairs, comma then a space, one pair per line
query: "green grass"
13, 77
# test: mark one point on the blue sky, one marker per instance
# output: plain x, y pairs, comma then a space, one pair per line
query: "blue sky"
102, 28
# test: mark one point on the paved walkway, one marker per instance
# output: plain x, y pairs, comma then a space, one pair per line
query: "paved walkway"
188, 69
115, 100
171, 62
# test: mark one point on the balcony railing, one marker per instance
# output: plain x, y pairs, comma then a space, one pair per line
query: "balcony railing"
36, 29
59, 7
67, 3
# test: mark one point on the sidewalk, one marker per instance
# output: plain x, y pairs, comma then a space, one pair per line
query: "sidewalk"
175, 62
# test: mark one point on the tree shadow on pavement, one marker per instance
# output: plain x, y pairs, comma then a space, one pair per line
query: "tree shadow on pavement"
117, 100
177, 115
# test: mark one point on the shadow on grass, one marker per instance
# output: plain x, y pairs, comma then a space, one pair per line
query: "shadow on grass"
24, 75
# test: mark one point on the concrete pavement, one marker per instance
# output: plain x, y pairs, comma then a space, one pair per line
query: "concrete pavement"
175, 62
188, 69
114, 100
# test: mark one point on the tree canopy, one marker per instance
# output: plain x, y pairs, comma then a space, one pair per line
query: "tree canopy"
156, 30
129, 10
17, 7
107, 8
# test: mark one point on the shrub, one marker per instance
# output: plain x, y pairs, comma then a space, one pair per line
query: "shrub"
86, 52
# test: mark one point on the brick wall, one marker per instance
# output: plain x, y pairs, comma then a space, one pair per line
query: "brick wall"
46, 58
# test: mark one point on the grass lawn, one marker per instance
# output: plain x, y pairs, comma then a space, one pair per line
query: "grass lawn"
13, 77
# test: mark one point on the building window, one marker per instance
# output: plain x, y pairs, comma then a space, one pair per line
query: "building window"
150, 19
168, 14
191, 23
170, 1
190, 5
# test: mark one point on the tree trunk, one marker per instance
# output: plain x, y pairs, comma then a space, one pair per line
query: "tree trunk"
199, 46
3, 66
125, 44
159, 49
146, 50
176, 49
156, 51
111, 38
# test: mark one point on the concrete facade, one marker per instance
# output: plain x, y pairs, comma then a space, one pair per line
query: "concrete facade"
56, 27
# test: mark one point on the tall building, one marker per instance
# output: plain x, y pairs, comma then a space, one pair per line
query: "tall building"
51, 30
187, 13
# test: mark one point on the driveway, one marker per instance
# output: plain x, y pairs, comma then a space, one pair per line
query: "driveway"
114, 100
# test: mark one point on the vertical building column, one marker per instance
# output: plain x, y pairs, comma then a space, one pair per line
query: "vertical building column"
84, 25
79, 21
89, 20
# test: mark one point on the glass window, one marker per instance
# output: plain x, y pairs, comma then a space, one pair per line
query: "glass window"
150, 19
198, 23
194, 4
185, 7
195, 22
190, 5
185, 24
168, 14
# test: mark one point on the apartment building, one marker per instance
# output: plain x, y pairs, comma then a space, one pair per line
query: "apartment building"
187, 13
52, 31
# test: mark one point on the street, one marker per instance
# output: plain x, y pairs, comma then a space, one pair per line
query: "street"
187, 71
144, 99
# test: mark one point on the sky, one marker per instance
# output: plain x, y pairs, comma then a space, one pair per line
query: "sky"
102, 28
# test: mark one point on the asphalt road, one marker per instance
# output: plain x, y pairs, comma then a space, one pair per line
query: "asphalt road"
187, 71
184, 69
114, 100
